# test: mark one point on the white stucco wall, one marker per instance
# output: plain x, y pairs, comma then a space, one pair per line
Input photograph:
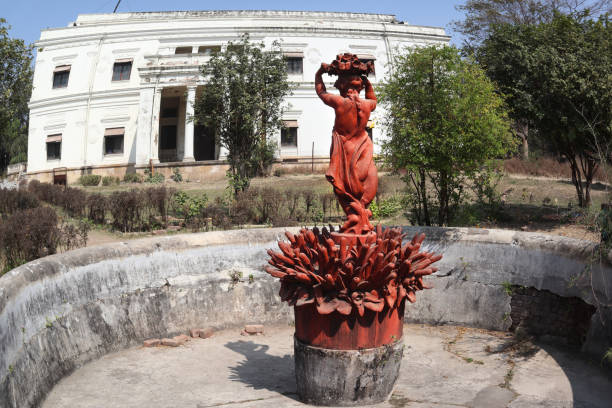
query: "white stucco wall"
92, 102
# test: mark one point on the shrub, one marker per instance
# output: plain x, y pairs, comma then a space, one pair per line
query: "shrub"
153, 177
190, 208
158, 199
13, 200
96, 208
90, 180
127, 208
243, 207
110, 181
385, 208
72, 236
50, 193
176, 175
218, 213
270, 204
73, 200
133, 178
28, 235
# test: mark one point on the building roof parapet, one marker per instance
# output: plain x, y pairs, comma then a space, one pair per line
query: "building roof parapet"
87, 19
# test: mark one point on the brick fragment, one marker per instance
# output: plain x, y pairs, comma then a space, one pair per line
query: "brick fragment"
207, 332
152, 342
195, 333
182, 338
170, 342
254, 328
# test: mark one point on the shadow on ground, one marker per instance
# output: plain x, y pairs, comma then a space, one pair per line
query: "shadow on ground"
261, 370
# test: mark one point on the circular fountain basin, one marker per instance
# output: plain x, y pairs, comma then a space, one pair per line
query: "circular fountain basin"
59, 313
442, 367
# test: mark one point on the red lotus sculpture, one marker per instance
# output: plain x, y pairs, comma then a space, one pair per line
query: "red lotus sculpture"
349, 287
320, 277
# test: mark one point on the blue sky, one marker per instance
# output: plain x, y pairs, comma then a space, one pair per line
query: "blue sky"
28, 17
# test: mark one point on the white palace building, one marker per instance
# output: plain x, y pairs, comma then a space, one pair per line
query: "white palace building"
112, 91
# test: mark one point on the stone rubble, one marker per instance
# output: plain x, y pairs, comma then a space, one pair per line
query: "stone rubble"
181, 339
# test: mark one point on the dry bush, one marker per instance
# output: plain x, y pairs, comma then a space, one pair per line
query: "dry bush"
270, 204
243, 207
544, 167
219, 215
50, 193
73, 200
27, 235
73, 236
96, 208
159, 199
127, 208
14, 200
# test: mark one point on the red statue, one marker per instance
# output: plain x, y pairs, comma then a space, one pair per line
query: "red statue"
348, 288
351, 171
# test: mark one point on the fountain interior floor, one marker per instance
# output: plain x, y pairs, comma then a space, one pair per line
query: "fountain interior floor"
443, 367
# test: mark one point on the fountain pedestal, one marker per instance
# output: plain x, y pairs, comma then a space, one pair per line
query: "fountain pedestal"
346, 377
347, 360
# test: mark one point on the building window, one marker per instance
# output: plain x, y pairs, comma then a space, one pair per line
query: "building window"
183, 50
289, 134
60, 76
122, 70
295, 63
113, 140
54, 147
208, 49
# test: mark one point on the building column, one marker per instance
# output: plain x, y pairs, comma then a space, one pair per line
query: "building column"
143, 132
189, 125
155, 133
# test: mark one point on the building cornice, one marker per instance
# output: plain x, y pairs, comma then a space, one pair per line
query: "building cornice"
230, 33
95, 19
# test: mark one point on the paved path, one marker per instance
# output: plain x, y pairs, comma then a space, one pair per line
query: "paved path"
443, 367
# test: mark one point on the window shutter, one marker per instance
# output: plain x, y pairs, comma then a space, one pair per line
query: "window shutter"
114, 132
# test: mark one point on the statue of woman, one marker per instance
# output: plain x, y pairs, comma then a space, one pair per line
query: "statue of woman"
351, 170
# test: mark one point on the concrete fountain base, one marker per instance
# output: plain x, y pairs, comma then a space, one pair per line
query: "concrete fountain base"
442, 367
59, 313
346, 377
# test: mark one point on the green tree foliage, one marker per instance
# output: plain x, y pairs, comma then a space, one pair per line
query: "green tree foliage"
446, 124
482, 15
242, 104
15, 89
556, 76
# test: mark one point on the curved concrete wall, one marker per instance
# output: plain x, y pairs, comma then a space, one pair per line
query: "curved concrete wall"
61, 311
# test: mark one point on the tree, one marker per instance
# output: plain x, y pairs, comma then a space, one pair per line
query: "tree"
445, 124
15, 90
482, 15
242, 104
556, 77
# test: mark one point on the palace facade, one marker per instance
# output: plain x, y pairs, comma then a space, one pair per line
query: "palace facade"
112, 92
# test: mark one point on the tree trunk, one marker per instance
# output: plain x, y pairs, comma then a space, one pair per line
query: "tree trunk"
522, 129
577, 179
589, 165
424, 198
443, 199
